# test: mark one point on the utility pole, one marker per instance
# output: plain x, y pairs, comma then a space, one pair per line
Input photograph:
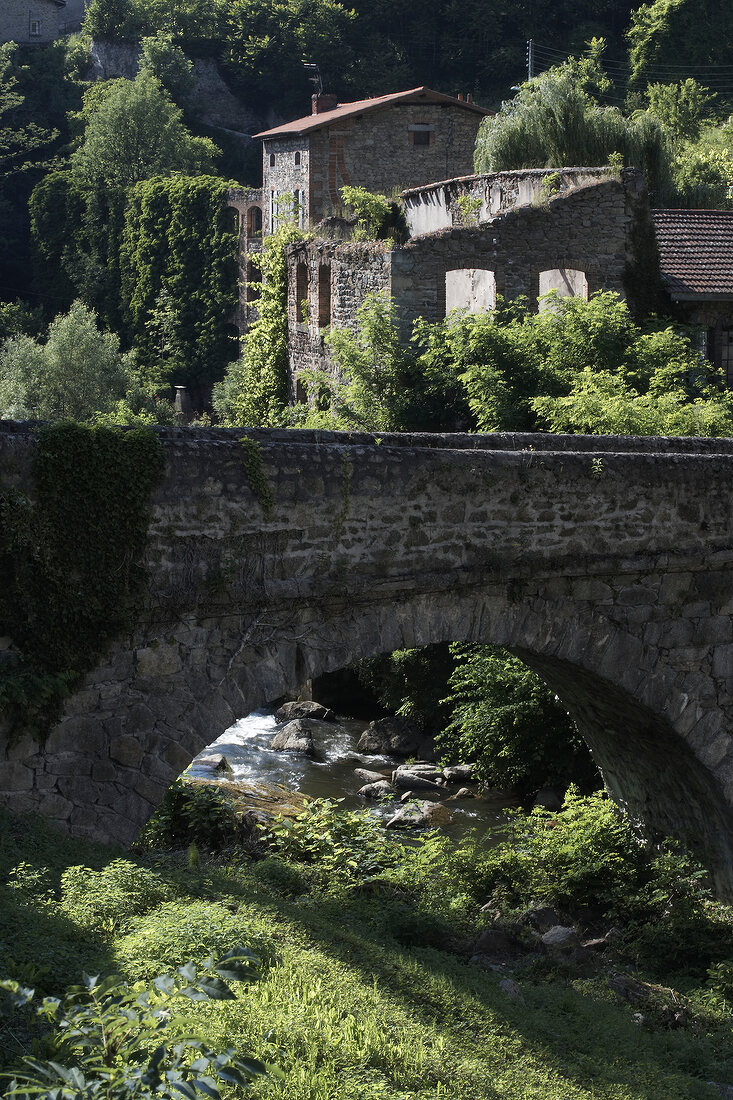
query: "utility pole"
530, 58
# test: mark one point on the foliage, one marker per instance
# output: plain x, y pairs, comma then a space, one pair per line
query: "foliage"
372, 211
76, 373
161, 58
192, 813
256, 475
555, 120
118, 1041
586, 366
137, 132
411, 683
703, 169
112, 896
665, 32
507, 721
70, 559
681, 108
337, 841
380, 384
179, 278
254, 392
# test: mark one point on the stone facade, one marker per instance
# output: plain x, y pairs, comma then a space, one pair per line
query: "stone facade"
245, 206
605, 563
32, 21
375, 149
580, 239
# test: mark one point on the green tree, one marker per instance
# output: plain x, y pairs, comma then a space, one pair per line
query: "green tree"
138, 132
681, 108
556, 120
76, 373
670, 34
508, 722
166, 61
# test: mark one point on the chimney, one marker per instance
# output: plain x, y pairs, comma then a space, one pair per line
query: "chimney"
469, 98
324, 102
460, 97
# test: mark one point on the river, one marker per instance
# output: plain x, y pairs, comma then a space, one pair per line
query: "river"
246, 745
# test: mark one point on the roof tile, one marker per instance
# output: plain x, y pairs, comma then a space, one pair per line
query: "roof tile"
695, 252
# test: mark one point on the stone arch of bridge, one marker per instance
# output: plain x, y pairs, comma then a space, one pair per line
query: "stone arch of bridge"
103, 774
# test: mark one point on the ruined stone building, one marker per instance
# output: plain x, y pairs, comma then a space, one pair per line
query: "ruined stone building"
469, 237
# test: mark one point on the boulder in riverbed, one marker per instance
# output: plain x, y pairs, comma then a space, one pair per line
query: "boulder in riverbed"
369, 776
406, 777
417, 815
304, 708
458, 773
382, 789
393, 736
295, 737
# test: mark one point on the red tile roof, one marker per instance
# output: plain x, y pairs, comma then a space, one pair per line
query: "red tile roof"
695, 252
361, 106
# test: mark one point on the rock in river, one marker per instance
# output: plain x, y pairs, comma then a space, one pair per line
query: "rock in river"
382, 789
305, 708
295, 737
398, 736
417, 815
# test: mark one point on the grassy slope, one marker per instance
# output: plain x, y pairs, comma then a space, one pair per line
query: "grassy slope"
353, 1002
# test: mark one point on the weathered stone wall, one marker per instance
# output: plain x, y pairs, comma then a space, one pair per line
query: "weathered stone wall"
436, 206
16, 17
243, 201
356, 268
585, 228
286, 177
612, 577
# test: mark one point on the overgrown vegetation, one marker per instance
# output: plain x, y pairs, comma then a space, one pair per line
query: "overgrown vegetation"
366, 985
70, 553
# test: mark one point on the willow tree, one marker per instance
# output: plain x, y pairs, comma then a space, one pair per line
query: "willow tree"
556, 120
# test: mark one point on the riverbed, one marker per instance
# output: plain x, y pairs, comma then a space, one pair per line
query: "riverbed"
246, 746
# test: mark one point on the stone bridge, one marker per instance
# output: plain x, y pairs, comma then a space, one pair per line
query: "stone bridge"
605, 563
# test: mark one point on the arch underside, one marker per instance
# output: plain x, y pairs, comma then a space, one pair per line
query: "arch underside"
185, 684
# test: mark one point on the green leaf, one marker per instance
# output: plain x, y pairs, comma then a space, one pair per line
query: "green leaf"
188, 971
216, 989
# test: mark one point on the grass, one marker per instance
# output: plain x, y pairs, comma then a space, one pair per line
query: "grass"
366, 990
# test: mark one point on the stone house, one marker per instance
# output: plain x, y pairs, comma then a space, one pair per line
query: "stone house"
37, 22
525, 233
389, 142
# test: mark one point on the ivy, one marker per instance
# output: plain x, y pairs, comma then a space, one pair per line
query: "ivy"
256, 475
178, 276
256, 388
70, 556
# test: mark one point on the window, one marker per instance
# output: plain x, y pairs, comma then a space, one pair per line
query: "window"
272, 160
301, 293
324, 295
35, 28
254, 222
299, 208
567, 281
254, 282
297, 160
726, 354
273, 211
421, 133
232, 219
470, 288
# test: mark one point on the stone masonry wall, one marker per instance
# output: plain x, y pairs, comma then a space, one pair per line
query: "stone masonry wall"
356, 269
285, 176
16, 16
376, 151
607, 564
587, 228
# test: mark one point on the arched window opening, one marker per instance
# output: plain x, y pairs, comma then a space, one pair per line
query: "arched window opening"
254, 282
232, 217
301, 293
324, 295
297, 160
254, 221
470, 288
301, 393
272, 160
567, 281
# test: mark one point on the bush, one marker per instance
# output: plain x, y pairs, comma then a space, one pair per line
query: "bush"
179, 930
192, 813
110, 897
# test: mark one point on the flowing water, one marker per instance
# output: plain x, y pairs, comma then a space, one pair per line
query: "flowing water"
246, 745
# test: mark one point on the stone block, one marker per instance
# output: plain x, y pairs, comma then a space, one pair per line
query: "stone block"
157, 660
127, 751
82, 734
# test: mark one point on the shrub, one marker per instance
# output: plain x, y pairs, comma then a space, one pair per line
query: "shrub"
192, 813
111, 896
